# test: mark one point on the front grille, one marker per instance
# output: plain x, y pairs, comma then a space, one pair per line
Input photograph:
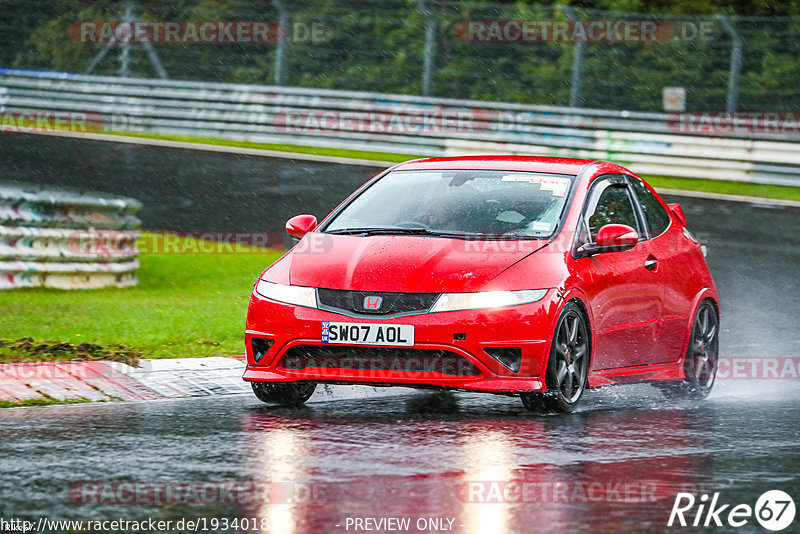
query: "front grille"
379, 359
391, 303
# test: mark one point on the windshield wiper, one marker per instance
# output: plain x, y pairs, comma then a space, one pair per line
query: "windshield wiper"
383, 231
395, 231
436, 233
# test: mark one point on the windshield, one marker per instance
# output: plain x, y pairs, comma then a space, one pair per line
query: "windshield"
458, 202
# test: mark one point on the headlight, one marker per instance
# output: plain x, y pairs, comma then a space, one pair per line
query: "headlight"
487, 299
302, 296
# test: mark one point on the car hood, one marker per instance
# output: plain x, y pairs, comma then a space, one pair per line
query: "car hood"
413, 264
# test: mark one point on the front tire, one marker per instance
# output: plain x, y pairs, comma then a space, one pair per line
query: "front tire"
702, 358
288, 393
568, 366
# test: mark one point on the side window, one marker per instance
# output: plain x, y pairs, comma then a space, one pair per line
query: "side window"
611, 203
657, 217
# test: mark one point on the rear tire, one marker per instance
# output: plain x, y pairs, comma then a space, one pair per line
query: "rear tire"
702, 358
568, 366
288, 393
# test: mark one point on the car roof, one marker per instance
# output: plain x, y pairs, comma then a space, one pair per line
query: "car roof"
495, 162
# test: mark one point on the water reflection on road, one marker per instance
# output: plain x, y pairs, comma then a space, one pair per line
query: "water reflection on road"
493, 468
479, 461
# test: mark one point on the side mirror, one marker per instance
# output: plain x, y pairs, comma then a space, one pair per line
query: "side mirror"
617, 237
677, 210
611, 238
300, 225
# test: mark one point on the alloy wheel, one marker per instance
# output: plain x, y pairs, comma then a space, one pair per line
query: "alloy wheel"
568, 367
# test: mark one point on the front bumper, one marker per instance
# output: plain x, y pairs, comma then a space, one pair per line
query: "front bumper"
462, 335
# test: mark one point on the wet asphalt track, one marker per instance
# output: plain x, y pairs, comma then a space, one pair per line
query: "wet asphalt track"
413, 456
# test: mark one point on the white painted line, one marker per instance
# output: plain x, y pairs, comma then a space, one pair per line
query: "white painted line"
190, 364
193, 377
337, 392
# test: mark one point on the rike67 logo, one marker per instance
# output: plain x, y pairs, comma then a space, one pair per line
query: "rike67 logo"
774, 510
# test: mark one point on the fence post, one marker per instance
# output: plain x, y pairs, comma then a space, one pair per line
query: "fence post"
280, 50
430, 47
737, 52
125, 47
124, 68
577, 64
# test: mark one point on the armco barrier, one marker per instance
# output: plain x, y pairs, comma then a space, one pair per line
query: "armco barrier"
66, 240
647, 142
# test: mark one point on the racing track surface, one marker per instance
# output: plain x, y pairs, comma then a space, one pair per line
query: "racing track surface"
754, 250
428, 455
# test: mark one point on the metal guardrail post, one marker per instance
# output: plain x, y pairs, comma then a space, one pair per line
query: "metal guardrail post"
430, 47
283, 36
577, 64
737, 53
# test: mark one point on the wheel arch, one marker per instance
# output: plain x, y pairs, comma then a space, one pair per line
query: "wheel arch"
577, 297
584, 310
552, 400
707, 294
703, 295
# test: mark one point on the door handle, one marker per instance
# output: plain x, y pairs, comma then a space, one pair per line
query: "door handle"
650, 263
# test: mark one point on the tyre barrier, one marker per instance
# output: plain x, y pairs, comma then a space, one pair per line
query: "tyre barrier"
66, 240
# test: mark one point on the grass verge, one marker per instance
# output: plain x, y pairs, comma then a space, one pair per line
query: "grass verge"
184, 305
725, 187
26, 349
44, 401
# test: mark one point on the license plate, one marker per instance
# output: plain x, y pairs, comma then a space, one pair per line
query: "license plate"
395, 335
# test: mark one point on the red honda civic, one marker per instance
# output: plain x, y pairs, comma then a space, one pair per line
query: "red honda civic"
529, 276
